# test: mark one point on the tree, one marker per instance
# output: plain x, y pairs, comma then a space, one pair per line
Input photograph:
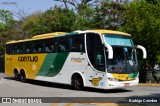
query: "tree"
6, 23
143, 22
154, 2
79, 3
53, 20
84, 12
109, 15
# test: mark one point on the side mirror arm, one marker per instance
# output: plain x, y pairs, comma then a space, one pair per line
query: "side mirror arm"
110, 50
144, 51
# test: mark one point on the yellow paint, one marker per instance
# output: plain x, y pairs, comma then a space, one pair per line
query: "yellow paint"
123, 77
109, 32
30, 68
95, 81
43, 36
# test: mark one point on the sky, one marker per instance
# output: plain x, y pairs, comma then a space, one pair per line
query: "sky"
28, 6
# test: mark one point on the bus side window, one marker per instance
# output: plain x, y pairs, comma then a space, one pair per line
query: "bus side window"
76, 43
8, 49
49, 46
12, 49
27, 47
56, 45
27, 50
63, 44
18, 51
38, 47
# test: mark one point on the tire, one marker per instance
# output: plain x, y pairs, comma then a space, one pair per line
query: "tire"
77, 82
22, 76
16, 76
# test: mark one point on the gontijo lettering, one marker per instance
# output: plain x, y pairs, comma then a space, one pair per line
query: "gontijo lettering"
27, 58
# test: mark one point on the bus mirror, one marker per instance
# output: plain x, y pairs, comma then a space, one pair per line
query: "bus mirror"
144, 51
110, 51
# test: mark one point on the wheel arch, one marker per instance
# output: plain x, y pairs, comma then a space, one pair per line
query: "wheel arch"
16, 70
82, 76
23, 70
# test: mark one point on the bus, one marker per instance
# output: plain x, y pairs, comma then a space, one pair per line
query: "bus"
102, 59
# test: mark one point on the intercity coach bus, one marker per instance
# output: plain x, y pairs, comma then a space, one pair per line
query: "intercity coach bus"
103, 59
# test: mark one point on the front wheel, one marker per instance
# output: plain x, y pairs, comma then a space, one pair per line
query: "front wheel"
77, 82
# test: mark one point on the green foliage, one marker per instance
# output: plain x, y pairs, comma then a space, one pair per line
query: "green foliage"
113, 13
6, 21
5, 16
85, 17
52, 20
143, 23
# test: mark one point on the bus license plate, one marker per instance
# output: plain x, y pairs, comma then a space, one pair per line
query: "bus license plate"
126, 84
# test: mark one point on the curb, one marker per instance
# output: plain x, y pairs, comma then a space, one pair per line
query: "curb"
149, 84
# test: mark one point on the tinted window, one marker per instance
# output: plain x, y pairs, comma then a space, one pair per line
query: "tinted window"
8, 50
73, 43
95, 51
62, 44
38, 47
50, 45
76, 43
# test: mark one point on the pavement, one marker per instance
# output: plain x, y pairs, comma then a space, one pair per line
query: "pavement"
95, 104
140, 84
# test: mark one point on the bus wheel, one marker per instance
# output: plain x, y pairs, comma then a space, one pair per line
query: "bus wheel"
16, 75
22, 76
77, 82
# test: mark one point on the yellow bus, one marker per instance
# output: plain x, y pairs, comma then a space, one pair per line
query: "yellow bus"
103, 59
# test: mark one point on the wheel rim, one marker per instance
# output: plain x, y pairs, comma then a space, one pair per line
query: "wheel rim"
78, 82
22, 76
16, 75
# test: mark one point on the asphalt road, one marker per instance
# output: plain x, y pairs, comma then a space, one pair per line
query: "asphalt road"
11, 88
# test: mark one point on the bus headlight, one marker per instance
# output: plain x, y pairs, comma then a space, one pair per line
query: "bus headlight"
112, 79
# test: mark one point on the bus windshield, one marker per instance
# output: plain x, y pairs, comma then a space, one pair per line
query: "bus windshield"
124, 55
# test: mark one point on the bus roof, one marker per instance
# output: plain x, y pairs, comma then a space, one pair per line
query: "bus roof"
42, 36
102, 31
56, 34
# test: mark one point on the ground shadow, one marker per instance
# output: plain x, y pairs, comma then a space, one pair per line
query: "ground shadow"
64, 86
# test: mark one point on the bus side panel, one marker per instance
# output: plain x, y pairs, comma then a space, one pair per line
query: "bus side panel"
8, 65
51, 69
30, 63
78, 63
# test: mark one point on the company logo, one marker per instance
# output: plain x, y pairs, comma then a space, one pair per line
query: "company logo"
95, 81
73, 59
6, 100
27, 58
21, 100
